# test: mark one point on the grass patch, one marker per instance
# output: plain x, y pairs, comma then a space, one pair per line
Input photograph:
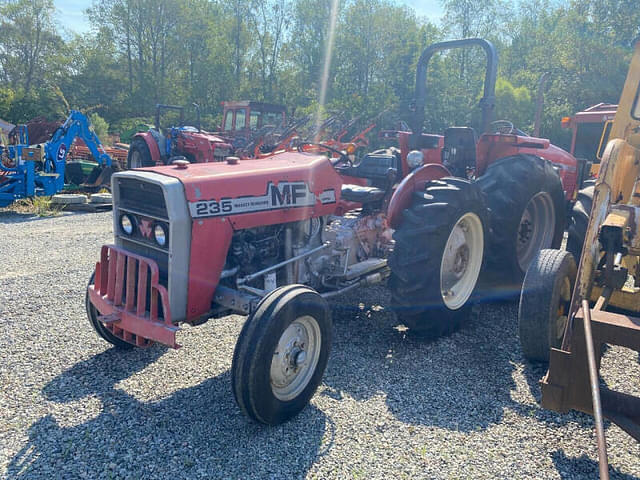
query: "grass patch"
40, 206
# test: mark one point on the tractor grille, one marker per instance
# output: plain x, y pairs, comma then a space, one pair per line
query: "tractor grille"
145, 202
154, 200
142, 196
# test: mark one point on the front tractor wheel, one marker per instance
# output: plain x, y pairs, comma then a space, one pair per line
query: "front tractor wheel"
526, 203
438, 256
281, 354
102, 331
544, 303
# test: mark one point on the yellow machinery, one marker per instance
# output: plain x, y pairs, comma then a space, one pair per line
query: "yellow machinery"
566, 314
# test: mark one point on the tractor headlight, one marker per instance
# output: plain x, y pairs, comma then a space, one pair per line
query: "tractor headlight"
160, 234
415, 159
127, 224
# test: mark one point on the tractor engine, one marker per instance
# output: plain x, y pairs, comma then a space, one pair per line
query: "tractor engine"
256, 248
356, 238
357, 244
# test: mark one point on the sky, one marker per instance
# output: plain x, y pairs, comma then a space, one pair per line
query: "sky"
71, 16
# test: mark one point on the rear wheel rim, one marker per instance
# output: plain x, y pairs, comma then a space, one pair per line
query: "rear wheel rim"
136, 159
536, 229
461, 261
295, 358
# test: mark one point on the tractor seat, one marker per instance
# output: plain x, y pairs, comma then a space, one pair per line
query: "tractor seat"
380, 169
360, 194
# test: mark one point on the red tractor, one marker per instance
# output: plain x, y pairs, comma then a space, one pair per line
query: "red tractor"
241, 120
590, 133
276, 238
161, 145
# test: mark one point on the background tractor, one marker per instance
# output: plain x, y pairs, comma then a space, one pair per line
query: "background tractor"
590, 133
276, 238
590, 130
161, 145
243, 121
568, 314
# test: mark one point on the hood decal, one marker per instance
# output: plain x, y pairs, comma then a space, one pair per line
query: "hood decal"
278, 196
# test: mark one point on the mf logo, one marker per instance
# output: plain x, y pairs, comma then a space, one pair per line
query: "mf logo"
287, 193
145, 228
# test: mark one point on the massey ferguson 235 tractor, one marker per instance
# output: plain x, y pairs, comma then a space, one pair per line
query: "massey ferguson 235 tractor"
275, 238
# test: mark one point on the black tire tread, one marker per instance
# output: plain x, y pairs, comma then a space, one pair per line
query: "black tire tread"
139, 144
537, 304
98, 327
252, 339
579, 221
416, 258
509, 184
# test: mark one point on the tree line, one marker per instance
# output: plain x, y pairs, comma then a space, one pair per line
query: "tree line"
142, 52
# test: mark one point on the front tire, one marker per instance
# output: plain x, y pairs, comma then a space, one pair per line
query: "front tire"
526, 202
102, 331
438, 256
281, 354
544, 303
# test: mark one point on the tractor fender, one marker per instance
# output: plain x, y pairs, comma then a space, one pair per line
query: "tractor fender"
152, 144
415, 181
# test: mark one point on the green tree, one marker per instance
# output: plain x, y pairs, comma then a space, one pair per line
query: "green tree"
100, 126
7, 97
31, 51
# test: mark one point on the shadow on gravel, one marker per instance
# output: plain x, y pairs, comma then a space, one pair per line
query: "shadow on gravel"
582, 467
462, 382
197, 432
15, 217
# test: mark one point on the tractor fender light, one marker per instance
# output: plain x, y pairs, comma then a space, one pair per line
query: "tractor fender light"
127, 224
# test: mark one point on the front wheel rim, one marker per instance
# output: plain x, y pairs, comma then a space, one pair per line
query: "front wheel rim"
461, 261
562, 313
536, 229
295, 358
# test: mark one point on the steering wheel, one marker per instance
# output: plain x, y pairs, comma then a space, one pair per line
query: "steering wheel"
502, 126
342, 157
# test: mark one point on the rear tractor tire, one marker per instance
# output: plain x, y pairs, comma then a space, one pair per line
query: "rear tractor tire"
438, 256
281, 354
139, 155
526, 202
544, 303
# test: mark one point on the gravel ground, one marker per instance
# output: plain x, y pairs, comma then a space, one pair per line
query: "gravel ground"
389, 406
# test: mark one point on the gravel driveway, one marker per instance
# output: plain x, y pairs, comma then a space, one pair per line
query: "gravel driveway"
389, 406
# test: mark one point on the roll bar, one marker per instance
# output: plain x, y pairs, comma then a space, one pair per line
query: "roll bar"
488, 100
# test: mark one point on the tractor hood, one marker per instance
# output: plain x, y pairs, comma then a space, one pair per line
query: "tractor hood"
210, 137
300, 177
